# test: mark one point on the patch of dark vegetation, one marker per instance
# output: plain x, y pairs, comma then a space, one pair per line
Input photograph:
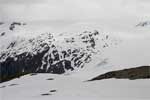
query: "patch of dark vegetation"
50, 79
46, 94
142, 72
52, 90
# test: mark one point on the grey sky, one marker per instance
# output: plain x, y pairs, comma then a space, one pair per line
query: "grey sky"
72, 9
117, 15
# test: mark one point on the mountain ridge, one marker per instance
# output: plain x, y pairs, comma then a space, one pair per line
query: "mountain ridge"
47, 53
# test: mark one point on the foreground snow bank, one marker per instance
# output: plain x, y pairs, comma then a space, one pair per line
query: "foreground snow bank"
39, 87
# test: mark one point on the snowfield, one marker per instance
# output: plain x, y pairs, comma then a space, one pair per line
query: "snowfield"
72, 87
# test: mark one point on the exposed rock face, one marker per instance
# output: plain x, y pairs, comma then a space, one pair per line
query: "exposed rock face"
48, 54
14, 24
142, 72
143, 24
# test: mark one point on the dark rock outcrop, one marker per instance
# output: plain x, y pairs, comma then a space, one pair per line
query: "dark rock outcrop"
142, 72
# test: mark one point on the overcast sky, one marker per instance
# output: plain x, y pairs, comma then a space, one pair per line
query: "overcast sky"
72, 9
120, 15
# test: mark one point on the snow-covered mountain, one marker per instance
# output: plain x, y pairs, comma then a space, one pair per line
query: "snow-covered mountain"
85, 54
49, 53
